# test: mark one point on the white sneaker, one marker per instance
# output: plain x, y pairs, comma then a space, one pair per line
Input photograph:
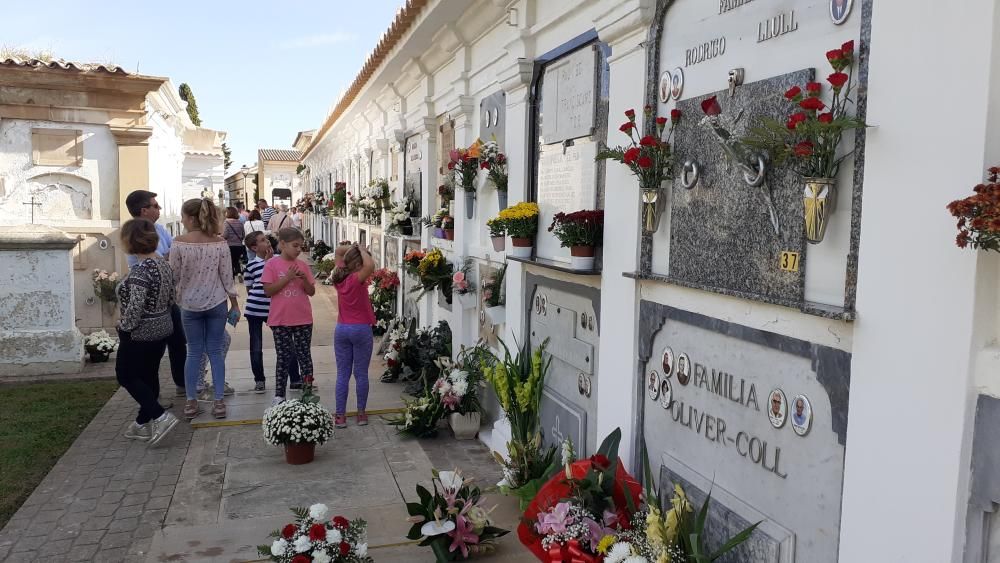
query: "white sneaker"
141, 432
277, 401
161, 426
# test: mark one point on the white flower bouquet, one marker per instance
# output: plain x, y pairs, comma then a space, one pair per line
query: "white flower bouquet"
100, 344
297, 422
314, 538
104, 285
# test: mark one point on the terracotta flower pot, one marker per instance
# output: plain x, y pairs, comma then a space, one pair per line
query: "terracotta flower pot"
521, 247
499, 243
449, 234
581, 257
299, 454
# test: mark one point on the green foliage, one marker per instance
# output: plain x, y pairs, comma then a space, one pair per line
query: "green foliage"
227, 155
192, 105
300, 168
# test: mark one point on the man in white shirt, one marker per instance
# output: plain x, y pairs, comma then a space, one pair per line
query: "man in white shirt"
142, 203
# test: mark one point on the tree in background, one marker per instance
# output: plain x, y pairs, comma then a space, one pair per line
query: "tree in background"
192, 105
227, 155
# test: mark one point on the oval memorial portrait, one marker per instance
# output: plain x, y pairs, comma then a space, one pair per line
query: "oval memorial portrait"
668, 362
653, 384
840, 10
777, 408
683, 369
802, 415
677, 83
666, 394
666, 84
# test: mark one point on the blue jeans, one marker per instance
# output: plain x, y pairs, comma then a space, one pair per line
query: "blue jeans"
205, 335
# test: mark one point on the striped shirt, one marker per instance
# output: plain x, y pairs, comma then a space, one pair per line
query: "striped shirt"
267, 214
258, 303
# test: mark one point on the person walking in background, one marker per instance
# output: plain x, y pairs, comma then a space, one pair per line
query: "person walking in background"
297, 218
254, 224
145, 296
203, 272
353, 339
232, 231
266, 211
143, 204
289, 283
280, 220
243, 213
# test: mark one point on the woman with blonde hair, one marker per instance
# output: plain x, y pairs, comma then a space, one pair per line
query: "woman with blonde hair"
203, 274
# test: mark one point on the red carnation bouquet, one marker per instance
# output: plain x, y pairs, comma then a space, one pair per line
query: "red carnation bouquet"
579, 228
649, 157
314, 536
578, 509
979, 215
808, 139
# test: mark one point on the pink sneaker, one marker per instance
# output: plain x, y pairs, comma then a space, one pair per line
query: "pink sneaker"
362, 419
340, 421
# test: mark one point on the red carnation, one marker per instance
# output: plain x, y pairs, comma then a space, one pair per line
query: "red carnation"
288, 531
631, 155
792, 124
317, 532
645, 162
825, 117
805, 148
485, 165
648, 110
340, 522
847, 49
813, 104
711, 106
630, 113
837, 80
814, 88
799, 117
627, 127
301, 559
661, 121
834, 55
648, 141
675, 115
793, 92
451, 165
345, 548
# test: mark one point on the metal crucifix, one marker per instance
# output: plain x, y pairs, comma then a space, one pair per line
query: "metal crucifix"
33, 204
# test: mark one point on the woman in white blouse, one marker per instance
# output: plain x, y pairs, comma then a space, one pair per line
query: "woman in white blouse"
203, 276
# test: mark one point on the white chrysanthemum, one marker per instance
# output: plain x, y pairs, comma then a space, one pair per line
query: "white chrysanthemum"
618, 553
302, 544
334, 536
361, 549
279, 546
460, 387
321, 557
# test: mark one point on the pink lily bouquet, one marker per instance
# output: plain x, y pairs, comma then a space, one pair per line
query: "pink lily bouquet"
452, 520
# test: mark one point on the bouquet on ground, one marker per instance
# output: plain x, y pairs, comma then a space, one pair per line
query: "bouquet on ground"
579, 228
382, 292
649, 157
495, 164
104, 285
517, 381
420, 417
810, 136
100, 343
298, 421
979, 215
457, 390
573, 513
315, 538
464, 164
520, 220
320, 250
452, 520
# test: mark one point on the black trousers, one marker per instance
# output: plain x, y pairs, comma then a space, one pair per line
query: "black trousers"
177, 346
236, 253
138, 371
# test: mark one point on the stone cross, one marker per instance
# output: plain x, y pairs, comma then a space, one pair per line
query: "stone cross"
33, 204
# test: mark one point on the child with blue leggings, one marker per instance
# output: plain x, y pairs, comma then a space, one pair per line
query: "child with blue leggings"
352, 339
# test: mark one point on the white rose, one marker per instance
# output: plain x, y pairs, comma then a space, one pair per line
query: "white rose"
279, 547
302, 544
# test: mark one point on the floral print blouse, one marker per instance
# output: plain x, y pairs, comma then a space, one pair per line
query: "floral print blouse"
203, 274
145, 295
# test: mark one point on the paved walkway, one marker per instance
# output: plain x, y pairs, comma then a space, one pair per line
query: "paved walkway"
213, 492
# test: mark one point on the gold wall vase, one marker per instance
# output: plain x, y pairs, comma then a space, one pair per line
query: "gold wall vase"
818, 201
652, 208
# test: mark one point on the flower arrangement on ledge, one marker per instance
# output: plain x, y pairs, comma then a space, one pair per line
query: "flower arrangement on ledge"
452, 520
498, 233
521, 224
809, 139
434, 271
979, 215
383, 287
313, 538
462, 287
581, 232
464, 164
494, 163
650, 158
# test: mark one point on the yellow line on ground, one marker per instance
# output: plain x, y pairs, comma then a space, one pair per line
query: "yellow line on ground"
255, 421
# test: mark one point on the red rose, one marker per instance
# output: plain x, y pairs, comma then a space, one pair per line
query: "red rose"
340, 522
288, 531
644, 162
648, 141
834, 55
793, 92
317, 532
813, 104
631, 155
600, 461
661, 121
711, 106
847, 49
805, 148
301, 559
837, 80
825, 117
345, 548
814, 88
627, 127
630, 113
675, 115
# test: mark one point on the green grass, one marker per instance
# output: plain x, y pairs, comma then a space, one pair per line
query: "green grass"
38, 423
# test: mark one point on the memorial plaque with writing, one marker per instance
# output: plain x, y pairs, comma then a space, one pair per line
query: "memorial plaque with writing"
736, 421
560, 419
391, 252
566, 182
569, 96
446, 144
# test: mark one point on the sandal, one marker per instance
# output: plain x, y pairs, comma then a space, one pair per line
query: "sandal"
191, 410
219, 409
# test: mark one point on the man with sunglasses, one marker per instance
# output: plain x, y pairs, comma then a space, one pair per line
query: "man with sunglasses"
142, 203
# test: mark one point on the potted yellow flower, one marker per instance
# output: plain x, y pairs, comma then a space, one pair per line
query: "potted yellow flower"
521, 224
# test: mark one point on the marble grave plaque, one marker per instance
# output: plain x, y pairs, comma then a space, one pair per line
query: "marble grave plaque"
391, 252
567, 181
569, 96
560, 419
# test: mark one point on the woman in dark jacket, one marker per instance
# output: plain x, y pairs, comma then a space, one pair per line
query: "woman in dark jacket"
232, 231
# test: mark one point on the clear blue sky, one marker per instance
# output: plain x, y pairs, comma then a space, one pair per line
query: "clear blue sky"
260, 70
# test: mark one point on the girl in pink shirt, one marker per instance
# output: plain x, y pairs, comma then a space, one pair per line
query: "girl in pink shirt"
352, 339
289, 283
